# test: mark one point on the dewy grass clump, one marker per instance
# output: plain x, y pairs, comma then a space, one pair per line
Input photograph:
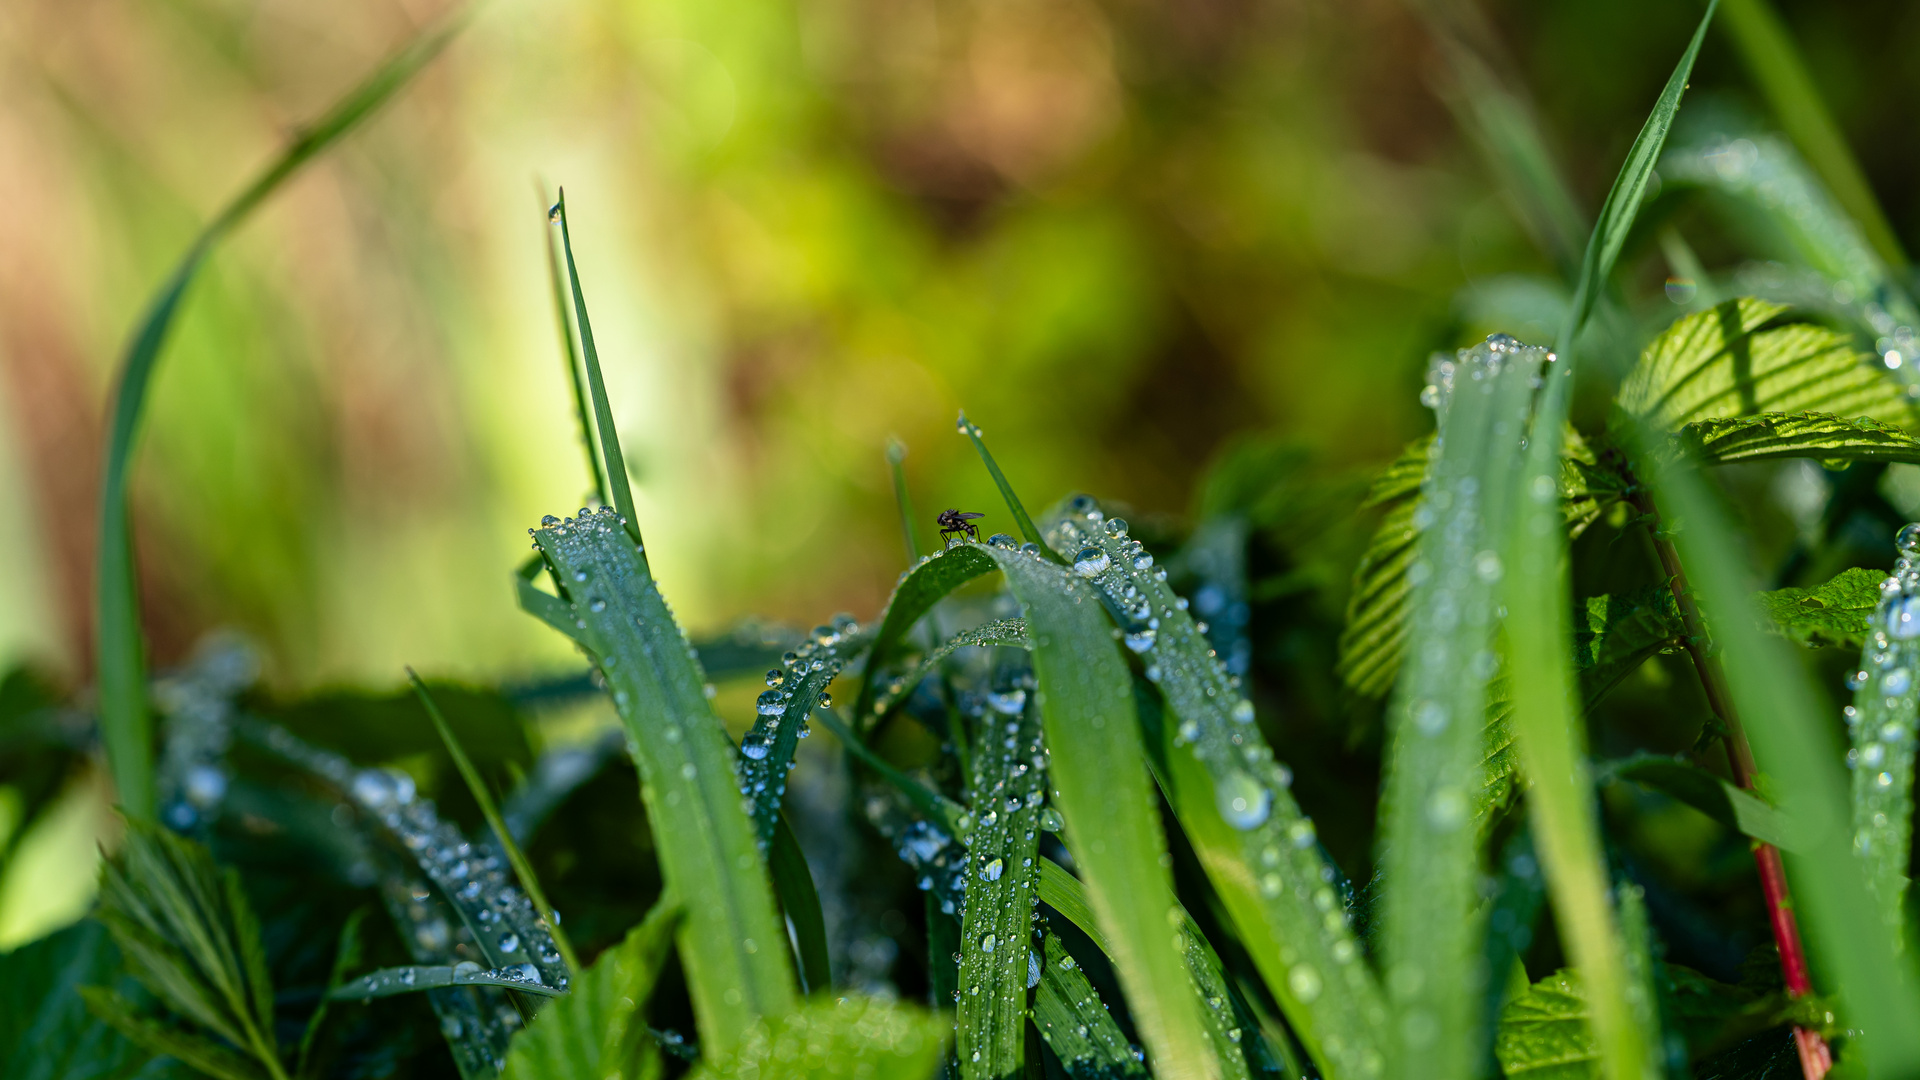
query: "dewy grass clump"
1085, 811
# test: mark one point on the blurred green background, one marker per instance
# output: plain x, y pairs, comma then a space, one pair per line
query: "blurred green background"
1117, 234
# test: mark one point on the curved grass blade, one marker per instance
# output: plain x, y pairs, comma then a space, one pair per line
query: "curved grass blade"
909, 522
406, 980
503, 836
611, 459
1783, 78
793, 883
1535, 590
1008, 632
1076, 1025
1882, 720
587, 1034
733, 944
1006, 790
1237, 808
921, 586
346, 957
564, 320
795, 689
1728, 361
544, 606
126, 726
1019, 512
829, 1038
1779, 709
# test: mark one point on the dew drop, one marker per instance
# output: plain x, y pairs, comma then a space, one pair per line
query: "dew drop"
770, 703
1907, 540
754, 747
1242, 800
1897, 682
1305, 983
1140, 640
1091, 562
993, 870
987, 943
1243, 711
510, 943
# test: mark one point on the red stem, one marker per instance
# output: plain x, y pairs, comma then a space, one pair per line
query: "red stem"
1815, 1057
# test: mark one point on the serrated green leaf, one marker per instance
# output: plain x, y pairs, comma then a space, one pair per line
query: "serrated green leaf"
201, 1053
46, 1030
733, 944
852, 1038
1621, 631
1774, 436
1076, 1025
1238, 810
1736, 809
1832, 614
1547, 1033
1005, 792
585, 1035
125, 724
1728, 361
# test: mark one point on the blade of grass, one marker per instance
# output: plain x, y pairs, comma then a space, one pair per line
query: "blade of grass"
1008, 632
909, 521
1068, 1013
1883, 721
780, 720
1006, 789
126, 726
1536, 591
955, 820
1781, 712
420, 978
612, 460
1019, 512
564, 320
587, 1035
733, 943
1770, 57
793, 883
346, 956
491, 811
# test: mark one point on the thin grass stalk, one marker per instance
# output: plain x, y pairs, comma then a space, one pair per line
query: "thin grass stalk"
571, 354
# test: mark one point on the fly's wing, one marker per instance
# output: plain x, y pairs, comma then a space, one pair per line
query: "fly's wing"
969, 516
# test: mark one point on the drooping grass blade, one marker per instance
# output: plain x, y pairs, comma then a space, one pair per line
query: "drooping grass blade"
1882, 719
611, 459
733, 945
415, 978
503, 836
121, 658
1009, 632
793, 884
1235, 803
1783, 78
1536, 591
1006, 790
794, 690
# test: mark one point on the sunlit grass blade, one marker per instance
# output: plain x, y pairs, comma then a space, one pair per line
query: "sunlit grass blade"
612, 461
795, 690
909, 521
126, 726
1005, 792
1883, 724
1776, 66
1782, 714
503, 836
733, 946
793, 884
1536, 589
1014, 507
1068, 1013
571, 354
587, 1035
1235, 803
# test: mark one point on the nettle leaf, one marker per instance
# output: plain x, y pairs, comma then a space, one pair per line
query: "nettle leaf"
1774, 436
829, 1039
587, 1034
1621, 631
1374, 639
734, 944
1068, 1013
47, 1031
1547, 1033
1836, 613
1734, 360
190, 937
1006, 791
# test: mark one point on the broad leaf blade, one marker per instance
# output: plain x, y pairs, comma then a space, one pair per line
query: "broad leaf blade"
850, 1038
733, 944
46, 1030
1836, 613
1775, 436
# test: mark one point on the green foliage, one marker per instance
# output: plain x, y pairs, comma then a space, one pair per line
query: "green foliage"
828, 1040
1831, 614
1546, 1033
1771, 436
1069, 1015
1707, 793
590, 1033
46, 1030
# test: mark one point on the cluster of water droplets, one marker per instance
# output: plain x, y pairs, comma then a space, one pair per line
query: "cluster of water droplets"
1882, 723
1851, 279
900, 686
197, 704
1252, 790
794, 690
473, 878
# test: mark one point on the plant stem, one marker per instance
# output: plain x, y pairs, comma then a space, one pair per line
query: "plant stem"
1815, 1057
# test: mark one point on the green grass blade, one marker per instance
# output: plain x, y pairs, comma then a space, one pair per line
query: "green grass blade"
734, 944
829, 1038
909, 521
1069, 1015
954, 819
420, 978
612, 460
564, 320
793, 883
1005, 791
1101, 788
503, 836
546, 607
1782, 712
1623, 200
795, 690
126, 726
921, 586
1008, 632
346, 957
1014, 507
1776, 66
1237, 808
1882, 720
585, 1035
